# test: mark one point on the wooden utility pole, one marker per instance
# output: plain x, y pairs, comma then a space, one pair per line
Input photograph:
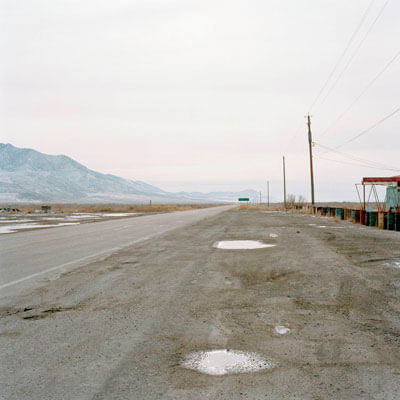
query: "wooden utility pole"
260, 197
284, 182
311, 159
268, 193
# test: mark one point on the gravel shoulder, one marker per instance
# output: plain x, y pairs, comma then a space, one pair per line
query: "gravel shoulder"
118, 328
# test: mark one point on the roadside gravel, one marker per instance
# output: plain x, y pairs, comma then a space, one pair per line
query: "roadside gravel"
119, 328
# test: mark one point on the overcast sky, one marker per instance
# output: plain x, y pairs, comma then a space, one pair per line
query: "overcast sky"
205, 94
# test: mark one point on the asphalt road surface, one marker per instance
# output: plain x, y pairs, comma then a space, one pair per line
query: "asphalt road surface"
29, 255
120, 327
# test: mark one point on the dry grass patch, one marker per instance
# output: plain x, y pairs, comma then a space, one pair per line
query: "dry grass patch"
110, 208
261, 207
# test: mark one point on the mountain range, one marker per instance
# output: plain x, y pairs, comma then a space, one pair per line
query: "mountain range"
27, 176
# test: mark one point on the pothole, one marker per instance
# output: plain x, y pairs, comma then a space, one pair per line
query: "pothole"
241, 244
394, 264
282, 330
226, 361
396, 284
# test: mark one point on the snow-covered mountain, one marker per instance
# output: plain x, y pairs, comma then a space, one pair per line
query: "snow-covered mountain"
27, 175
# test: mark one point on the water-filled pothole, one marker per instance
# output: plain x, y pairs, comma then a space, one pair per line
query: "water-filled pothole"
395, 284
225, 361
393, 264
241, 244
282, 330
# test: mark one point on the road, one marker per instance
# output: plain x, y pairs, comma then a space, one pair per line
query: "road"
120, 327
29, 255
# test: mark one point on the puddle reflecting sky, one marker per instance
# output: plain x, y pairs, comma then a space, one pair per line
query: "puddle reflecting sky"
222, 362
394, 264
241, 244
282, 330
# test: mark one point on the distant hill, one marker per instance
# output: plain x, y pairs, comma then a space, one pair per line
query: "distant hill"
27, 175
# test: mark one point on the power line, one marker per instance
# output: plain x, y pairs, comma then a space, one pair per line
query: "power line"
371, 163
366, 12
355, 51
349, 156
381, 72
370, 128
362, 132
358, 165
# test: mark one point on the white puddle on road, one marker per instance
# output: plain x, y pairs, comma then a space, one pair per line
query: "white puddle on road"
396, 284
394, 264
282, 330
225, 361
241, 244
273, 235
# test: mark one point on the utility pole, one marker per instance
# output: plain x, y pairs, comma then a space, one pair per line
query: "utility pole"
284, 182
260, 197
268, 193
311, 159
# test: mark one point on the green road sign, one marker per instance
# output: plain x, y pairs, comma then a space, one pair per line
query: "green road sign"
244, 199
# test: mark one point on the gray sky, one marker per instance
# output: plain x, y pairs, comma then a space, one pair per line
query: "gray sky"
204, 95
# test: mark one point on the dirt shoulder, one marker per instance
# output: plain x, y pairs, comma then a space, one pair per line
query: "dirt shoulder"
118, 328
